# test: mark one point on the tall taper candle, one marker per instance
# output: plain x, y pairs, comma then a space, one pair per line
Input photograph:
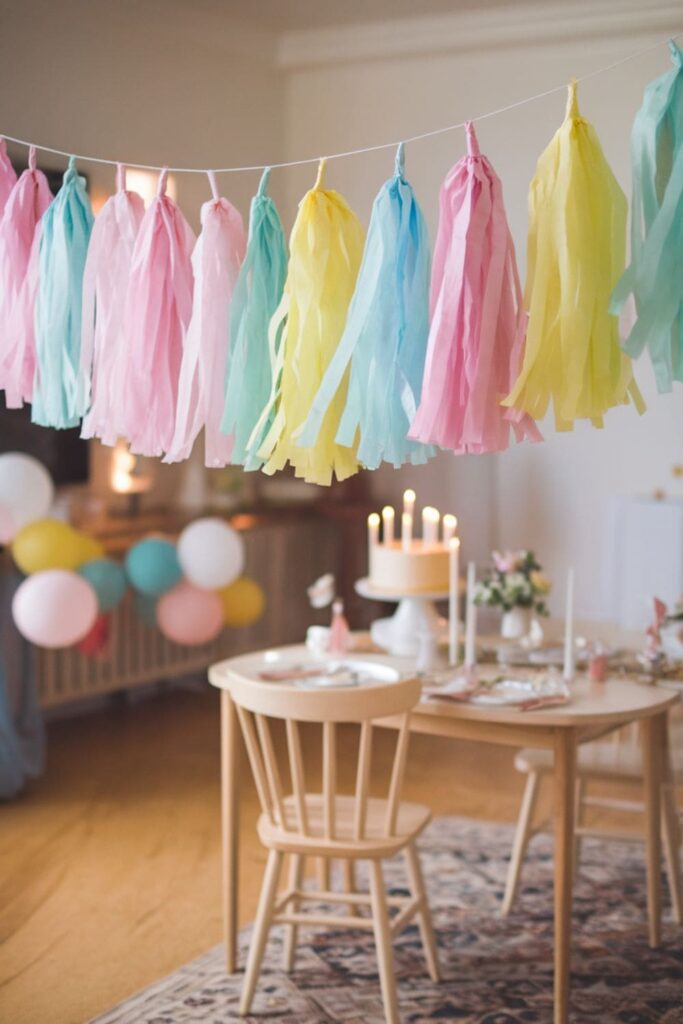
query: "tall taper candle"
453, 610
430, 525
568, 671
388, 524
450, 525
406, 531
373, 529
471, 619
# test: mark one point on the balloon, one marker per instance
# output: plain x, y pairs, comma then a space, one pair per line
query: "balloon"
107, 579
211, 553
7, 528
54, 608
95, 642
152, 566
26, 489
190, 615
243, 602
52, 544
146, 609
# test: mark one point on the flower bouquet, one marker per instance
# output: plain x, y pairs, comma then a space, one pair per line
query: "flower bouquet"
515, 584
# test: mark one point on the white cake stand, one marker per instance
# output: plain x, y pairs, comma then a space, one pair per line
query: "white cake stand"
415, 616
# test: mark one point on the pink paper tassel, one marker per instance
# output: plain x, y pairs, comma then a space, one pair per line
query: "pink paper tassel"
216, 260
105, 282
478, 321
157, 312
19, 264
8, 176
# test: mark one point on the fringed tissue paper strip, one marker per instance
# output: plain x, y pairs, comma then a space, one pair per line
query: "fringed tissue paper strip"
655, 277
385, 337
577, 228
478, 323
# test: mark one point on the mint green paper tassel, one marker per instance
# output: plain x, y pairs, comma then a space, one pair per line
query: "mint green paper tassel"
58, 398
654, 277
255, 298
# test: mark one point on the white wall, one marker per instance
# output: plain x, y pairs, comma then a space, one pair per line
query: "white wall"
419, 76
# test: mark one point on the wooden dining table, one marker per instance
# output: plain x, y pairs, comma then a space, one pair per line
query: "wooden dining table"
593, 711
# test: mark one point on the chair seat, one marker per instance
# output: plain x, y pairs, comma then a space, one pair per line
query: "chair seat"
410, 821
621, 761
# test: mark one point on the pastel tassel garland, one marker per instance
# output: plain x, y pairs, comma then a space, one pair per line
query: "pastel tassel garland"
478, 320
385, 337
27, 203
325, 254
58, 401
654, 277
577, 226
216, 259
157, 313
8, 176
105, 281
255, 298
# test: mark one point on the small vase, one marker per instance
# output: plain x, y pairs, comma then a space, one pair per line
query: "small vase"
516, 623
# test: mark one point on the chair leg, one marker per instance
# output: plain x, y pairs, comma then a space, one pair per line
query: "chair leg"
324, 873
380, 920
424, 918
296, 873
349, 881
672, 851
578, 821
521, 840
261, 928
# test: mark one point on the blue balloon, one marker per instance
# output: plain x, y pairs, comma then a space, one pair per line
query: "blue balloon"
107, 579
146, 609
152, 566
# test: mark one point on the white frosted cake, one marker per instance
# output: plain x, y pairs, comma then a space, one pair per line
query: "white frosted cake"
423, 568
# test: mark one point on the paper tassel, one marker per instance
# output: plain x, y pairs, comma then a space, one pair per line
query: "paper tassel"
385, 337
157, 313
27, 203
325, 254
8, 176
105, 281
217, 258
577, 226
255, 298
654, 278
65, 230
478, 321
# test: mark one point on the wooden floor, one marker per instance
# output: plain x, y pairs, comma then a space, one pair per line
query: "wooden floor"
110, 865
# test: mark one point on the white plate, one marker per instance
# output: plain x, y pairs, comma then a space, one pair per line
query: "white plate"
334, 673
508, 692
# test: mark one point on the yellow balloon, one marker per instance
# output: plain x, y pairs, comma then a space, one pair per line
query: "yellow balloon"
52, 544
243, 602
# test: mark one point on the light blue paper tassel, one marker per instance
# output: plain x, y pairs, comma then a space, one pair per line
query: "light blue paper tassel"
654, 277
255, 298
59, 399
385, 337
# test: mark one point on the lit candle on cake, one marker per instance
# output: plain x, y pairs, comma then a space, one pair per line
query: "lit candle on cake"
568, 671
373, 529
471, 619
453, 570
450, 525
406, 531
388, 524
409, 502
430, 525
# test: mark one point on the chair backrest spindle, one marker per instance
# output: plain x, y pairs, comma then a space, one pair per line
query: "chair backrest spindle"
296, 769
363, 779
255, 760
329, 777
397, 773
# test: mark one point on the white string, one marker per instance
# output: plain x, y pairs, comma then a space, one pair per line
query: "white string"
350, 152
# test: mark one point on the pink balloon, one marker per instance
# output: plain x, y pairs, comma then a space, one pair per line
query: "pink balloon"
54, 608
188, 615
7, 525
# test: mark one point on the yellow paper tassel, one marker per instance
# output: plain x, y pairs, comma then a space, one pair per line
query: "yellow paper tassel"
576, 252
325, 254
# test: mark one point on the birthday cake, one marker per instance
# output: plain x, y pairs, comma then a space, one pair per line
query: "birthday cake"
407, 564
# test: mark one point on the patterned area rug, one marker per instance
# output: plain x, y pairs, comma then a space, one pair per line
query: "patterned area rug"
495, 971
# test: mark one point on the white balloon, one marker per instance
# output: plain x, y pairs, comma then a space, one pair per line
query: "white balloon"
26, 490
211, 553
54, 608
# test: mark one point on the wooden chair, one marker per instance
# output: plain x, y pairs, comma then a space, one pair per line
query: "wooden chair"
330, 825
619, 761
